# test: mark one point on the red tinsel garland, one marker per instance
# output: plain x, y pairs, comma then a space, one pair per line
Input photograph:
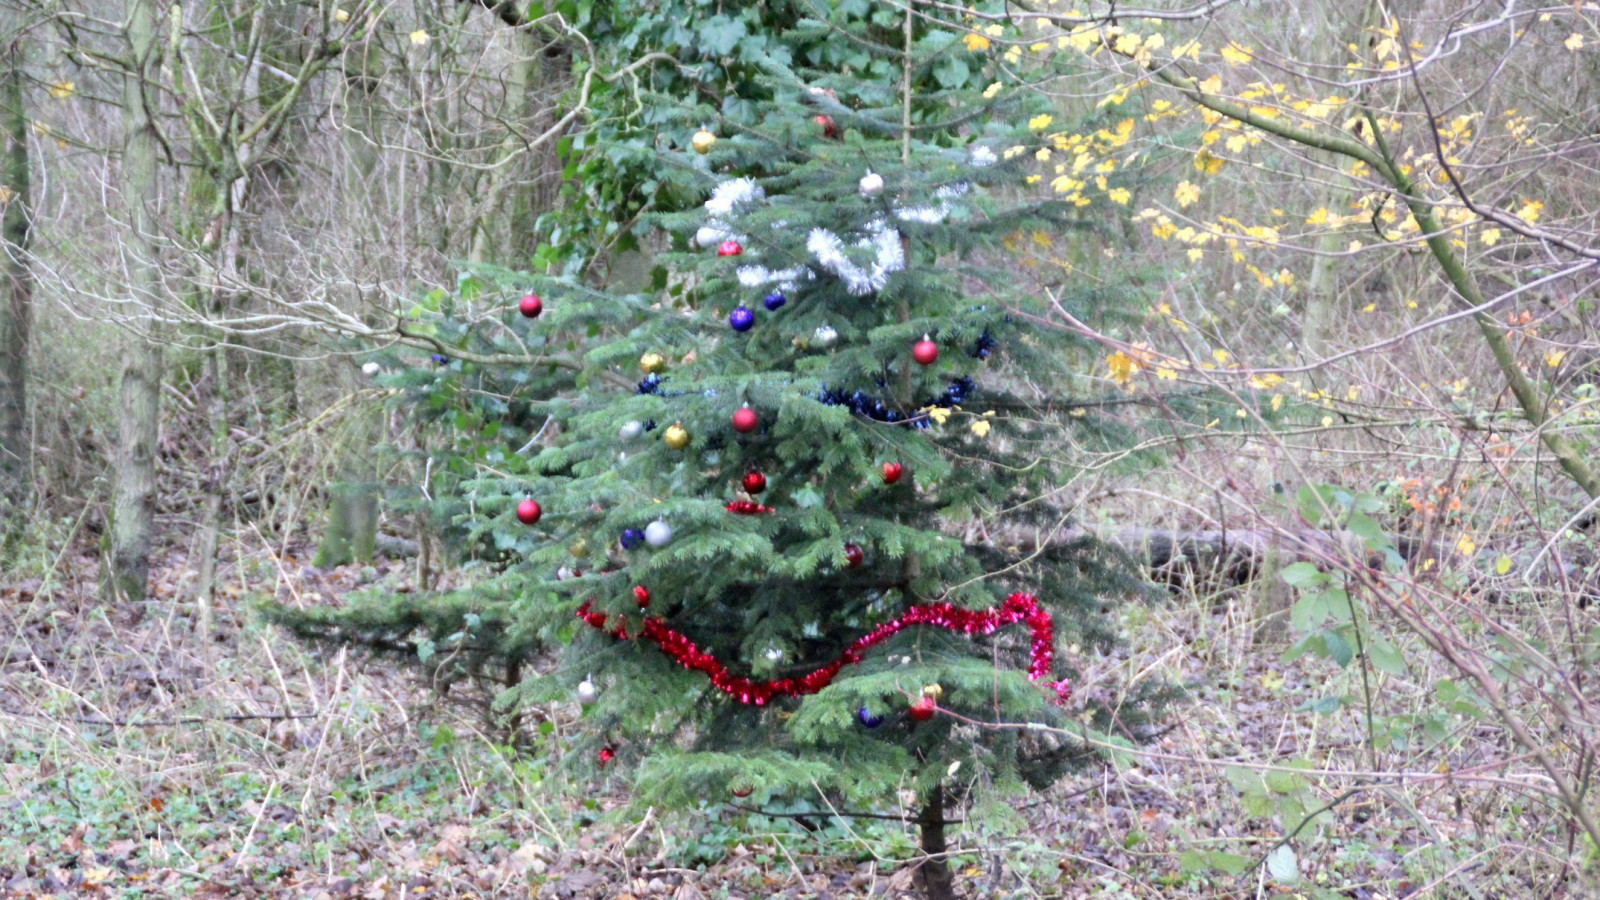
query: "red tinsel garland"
1016, 608
747, 508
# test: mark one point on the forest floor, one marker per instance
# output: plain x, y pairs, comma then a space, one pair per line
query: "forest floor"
138, 760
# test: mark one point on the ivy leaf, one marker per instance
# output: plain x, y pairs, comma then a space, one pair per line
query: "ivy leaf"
952, 73
1282, 866
720, 35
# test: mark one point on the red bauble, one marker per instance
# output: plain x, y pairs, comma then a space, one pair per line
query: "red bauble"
922, 710
853, 556
531, 306
606, 755
830, 129
891, 472
743, 792
642, 595
754, 482
744, 420
729, 248
528, 512
925, 351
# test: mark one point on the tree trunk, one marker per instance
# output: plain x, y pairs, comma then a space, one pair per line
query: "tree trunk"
216, 485
16, 292
933, 872
352, 525
133, 513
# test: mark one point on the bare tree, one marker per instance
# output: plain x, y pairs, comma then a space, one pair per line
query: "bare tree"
133, 514
16, 285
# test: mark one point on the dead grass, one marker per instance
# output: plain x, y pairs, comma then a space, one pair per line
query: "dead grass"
137, 762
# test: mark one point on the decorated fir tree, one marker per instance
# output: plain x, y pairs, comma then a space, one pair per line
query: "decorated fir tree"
788, 521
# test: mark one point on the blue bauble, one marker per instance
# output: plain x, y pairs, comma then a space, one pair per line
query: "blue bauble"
741, 319
775, 300
868, 719
631, 538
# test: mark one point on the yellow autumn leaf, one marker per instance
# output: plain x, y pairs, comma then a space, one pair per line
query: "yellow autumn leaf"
1186, 193
341, 15
1489, 236
61, 90
1196, 254
1220, 355
1237, 55
1167, 374
1206, 163
991, 90
938, 414
1466, 546
981, 428
1237, 143
419, 37
975, 42
1327, 421
1574, 43
1119, 195
1530, 211
1354, 246
1040, 122
1277, 402
1553, 358
1211, 85
1122, 368
1318, 217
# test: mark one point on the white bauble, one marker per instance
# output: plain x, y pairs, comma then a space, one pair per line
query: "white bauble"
631, 430
871, 184
587, 692
658, 534
825, 336
371, 368
563, 573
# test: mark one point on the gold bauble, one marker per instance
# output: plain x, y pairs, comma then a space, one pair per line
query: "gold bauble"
677, 437
932, 692
579, 548
704, 141
652, 363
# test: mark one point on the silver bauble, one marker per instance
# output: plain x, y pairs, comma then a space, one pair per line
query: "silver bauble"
631, 430
871, 184
587, 692
825, 336
658, 534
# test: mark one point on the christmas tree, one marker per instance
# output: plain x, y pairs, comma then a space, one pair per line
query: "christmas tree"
787, 521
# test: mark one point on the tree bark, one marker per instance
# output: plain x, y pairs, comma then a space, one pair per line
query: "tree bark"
133, 513
933, 872
16, 291
350, 533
